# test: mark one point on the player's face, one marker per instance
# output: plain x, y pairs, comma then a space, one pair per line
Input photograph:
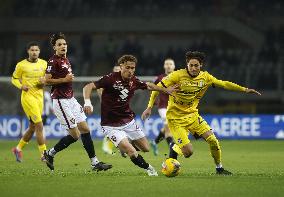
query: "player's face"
194, 67
33, 52
169, 66
116, 69
127, 69
60, 47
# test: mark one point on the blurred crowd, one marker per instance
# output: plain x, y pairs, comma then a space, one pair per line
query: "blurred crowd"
223, 59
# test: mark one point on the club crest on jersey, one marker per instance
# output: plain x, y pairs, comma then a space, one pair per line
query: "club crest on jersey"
130, 83
201, 83
64, 65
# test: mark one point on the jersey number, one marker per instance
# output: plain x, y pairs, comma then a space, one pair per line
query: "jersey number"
124, 94
48, 68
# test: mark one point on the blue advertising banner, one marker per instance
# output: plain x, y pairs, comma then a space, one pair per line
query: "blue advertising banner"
224, 126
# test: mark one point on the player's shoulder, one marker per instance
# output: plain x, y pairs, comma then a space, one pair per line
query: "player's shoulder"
110, 76
180, 72
161, 76
205, 75
42, 61
23, 62
53, 60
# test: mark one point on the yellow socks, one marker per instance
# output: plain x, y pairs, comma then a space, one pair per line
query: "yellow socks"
41, 148
214, 148
110, 144
21, 144
177, 149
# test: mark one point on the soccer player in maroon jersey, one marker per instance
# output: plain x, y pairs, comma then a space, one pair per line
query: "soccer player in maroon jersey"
169, 66
69, 112
117, 119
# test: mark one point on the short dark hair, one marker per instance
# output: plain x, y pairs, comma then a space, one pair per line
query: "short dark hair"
55, 37
126, 58
31, 44
200, 56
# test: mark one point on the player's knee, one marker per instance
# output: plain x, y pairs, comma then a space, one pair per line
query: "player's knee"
84, 130
32, 126
187, 151
75, 135
145, 149
38, 127
213, 142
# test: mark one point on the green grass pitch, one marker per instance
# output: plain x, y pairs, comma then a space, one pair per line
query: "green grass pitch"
258, 168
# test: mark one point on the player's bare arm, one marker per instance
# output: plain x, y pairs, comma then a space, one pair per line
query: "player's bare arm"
47, 80
148, 111
234, 87
169, 90
87, 91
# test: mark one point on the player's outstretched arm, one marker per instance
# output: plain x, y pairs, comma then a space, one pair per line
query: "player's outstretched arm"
234, 87
168, 90
87, 91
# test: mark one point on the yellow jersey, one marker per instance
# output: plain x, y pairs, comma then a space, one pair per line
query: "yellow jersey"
28, 73
184, 102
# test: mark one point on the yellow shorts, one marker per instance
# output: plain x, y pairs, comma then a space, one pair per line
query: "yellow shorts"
33, 108
180, 128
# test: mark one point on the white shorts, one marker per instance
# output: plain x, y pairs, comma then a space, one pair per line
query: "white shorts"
116, 134
69, 112
162, 113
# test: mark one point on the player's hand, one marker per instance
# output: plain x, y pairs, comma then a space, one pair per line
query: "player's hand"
42, 80
69, 78
41, 83
88, 110
25, 88
88, 107
172, 89
252, 91
146, 113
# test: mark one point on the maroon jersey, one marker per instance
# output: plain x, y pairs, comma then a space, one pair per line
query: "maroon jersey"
163, 97
115, 110
59, 67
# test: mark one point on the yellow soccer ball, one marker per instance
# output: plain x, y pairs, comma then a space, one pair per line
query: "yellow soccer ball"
171, 167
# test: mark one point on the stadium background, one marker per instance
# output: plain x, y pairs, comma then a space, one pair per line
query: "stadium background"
242, 41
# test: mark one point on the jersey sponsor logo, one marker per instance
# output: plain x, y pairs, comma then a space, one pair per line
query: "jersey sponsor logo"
118, 85
179, 140
124, 94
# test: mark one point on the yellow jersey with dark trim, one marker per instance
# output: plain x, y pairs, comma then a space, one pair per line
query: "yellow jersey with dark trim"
28, 73
185, 101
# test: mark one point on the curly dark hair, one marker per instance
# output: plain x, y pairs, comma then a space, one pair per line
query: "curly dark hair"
126, 58
200, 56
55, 37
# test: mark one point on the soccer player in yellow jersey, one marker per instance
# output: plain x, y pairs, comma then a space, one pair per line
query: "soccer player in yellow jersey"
182, 113
26, 77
